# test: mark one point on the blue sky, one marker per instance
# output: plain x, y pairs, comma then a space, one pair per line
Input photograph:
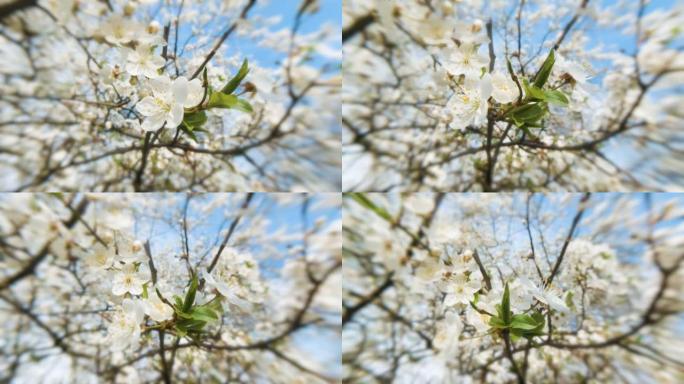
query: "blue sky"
280, 216
330, 13
564, 215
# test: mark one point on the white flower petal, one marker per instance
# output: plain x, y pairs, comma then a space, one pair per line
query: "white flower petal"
180, 90
148, 106
153, 122
160, 85
485, 87
195, 93
119, 289
175, 117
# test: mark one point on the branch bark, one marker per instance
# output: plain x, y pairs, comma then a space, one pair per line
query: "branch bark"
571, 233
8, 10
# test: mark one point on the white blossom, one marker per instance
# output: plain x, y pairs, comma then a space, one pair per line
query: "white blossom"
124, 330
155, 308
504, 89
466, 60
469, 106
129, 280
143, 61
169, 98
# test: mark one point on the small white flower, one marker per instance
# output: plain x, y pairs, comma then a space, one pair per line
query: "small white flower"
419, 204
156, 309
128, 280
504, 89
448, 333
124, 330
466, 60
63, 10
460, 291
477, 320
429, 270
470, 106
576, 71
130, 251
144, 61
107, 74
100, 257
473, 33
227, 290
435, 29
544, 295
119, 30
168, 100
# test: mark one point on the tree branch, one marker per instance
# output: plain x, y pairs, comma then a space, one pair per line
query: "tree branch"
571, 233
223, 38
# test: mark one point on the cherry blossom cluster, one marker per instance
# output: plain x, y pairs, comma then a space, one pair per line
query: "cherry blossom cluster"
499, 95
512, 288
97, 286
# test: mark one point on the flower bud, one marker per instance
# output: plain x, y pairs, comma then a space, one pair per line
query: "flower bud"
153, 28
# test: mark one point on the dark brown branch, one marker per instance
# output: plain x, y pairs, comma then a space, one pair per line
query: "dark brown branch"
137, 183
8, 10
509, 355
153, 269
491, 120
358, 26
571, 233
231, 229
483, 271
223, 38
569, 25
349, 312
29, 268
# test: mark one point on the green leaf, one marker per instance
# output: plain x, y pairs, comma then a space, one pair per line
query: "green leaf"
244, 106
181, 330
179, 302
237, 79
203, 313
144, 294
556, 97
528, 113
190, 296
192, 325
222, 100
545, 70
568, 299
190, 133
215, 305
195, 120
539, 319
497, 323
506, 306
510, 70
535, 93
515, 334
524, 322
366, 202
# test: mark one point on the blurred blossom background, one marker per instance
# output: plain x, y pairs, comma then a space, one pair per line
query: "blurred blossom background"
415, 118
425, 277
79, 80
66, 258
